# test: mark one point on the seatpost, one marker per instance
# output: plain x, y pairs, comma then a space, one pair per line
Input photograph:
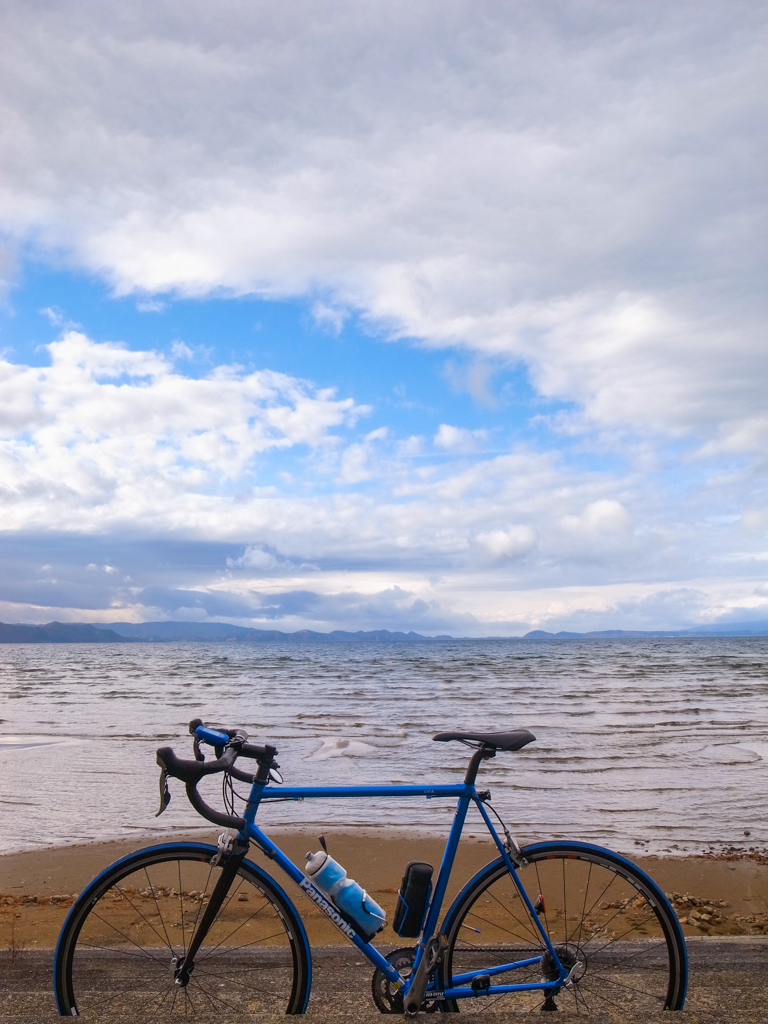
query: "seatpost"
483, 754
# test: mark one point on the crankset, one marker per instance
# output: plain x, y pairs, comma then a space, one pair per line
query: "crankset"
385, 995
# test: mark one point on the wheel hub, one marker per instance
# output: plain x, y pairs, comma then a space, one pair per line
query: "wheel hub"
179, 972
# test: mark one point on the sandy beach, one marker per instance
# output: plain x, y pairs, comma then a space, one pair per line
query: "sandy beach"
724, 895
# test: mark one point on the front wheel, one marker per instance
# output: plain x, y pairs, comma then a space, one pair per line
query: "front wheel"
611, 926
119, 946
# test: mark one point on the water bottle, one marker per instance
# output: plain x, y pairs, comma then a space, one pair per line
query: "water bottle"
350, 898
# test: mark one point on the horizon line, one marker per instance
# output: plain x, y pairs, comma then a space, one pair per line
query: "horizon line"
171, 630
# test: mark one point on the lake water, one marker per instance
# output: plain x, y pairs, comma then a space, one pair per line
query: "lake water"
655, 744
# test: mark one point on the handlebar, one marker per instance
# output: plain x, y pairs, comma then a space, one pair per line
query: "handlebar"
229, 744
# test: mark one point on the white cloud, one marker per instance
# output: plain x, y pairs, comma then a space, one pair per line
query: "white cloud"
506, 544
599, 518
458, 439
754, 519
330, 317
54, 316
257, 558
357, 460
179, 350
474, 379
583, 192
105, 434
150, 306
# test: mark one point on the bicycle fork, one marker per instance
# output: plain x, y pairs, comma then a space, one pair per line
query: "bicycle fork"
233, 854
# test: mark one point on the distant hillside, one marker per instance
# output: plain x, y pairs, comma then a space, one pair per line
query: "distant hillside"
732, 629
59, 633
159, 631
167, 632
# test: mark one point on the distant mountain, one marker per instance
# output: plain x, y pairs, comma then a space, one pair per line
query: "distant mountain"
59, 633
168, 631
732, 629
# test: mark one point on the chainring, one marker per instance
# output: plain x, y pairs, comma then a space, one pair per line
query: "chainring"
387, 998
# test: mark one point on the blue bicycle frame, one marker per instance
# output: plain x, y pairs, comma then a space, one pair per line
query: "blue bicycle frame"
466, 794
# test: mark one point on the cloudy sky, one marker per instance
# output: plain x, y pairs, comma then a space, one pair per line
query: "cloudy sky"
446, 316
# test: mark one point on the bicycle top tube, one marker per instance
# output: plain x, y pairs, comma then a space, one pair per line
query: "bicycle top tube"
314, 792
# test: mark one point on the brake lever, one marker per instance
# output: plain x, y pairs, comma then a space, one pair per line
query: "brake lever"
165, 793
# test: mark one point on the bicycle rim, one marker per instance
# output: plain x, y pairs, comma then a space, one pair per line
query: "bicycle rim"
607, 920
117, 951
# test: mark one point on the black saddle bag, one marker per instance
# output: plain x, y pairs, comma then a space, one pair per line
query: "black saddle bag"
412, 899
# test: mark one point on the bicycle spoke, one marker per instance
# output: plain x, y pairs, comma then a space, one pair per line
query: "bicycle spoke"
584, 905
126, 937
624, 985
234, 930
213, 956
237, 984
162, 920
580, 995
210, 998
605, 890
202, 900
160, 1004
122, 952
132, 904
236, 969
112, 998
493, 924
618, 938
565, 908
536, 936
181, 913
541, 890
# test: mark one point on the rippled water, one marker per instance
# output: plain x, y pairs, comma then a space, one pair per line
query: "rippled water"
641, 744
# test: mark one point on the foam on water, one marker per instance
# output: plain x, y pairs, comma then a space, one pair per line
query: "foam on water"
644, 744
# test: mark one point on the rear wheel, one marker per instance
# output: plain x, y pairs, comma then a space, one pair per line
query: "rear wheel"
607, 920
120, 943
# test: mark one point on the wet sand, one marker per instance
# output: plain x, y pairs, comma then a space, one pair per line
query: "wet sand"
712, 896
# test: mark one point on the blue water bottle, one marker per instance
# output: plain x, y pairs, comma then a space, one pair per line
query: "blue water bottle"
351, 899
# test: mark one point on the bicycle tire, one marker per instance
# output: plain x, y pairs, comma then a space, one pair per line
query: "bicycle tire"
619, 927
116, 948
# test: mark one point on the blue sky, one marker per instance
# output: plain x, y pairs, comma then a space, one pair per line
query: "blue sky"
299, 330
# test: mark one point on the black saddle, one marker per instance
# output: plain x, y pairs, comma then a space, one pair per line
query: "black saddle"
498, 740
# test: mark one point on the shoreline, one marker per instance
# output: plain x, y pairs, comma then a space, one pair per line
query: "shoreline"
414, 833
37, 887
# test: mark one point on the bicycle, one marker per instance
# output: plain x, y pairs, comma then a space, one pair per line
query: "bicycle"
194, 928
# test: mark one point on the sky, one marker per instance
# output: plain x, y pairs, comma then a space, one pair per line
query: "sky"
444, 316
